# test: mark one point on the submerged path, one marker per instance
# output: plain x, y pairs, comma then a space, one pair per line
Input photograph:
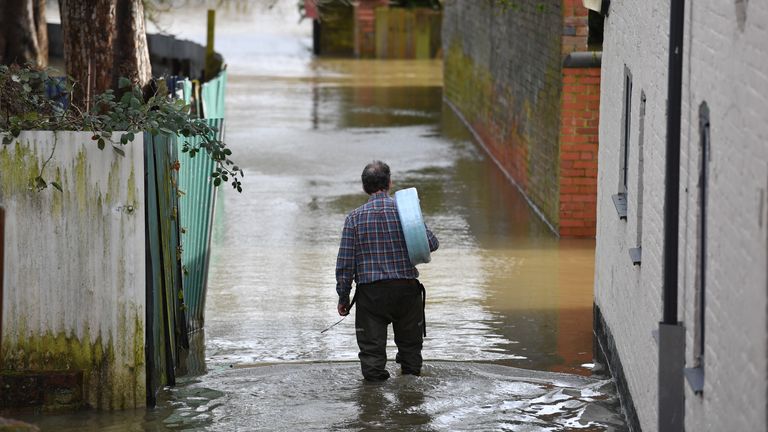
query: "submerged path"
503, 292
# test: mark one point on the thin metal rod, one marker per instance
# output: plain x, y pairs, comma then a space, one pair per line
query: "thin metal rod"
334, 324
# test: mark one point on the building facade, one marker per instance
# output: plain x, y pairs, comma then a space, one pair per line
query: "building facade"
722, 252
521, 77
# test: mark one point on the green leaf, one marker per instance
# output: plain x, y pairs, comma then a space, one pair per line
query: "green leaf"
118, 150
101, 143
57, 186
123, 82
40, 184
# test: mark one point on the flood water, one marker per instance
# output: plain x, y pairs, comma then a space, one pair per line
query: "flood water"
509, 305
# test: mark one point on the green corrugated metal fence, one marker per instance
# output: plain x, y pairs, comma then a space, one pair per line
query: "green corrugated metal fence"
197, 202
197, 197
213, 96
166, 322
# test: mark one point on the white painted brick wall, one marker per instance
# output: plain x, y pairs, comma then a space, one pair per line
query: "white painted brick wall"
629, 296
727, 67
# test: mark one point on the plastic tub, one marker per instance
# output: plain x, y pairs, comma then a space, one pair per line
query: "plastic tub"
414, 230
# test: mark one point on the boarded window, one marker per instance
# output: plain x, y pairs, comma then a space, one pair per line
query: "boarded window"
701, 267
625, 131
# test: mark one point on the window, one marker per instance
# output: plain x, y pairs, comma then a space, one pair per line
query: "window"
695, 375
701, 267
620, 199
635, 253
625, 132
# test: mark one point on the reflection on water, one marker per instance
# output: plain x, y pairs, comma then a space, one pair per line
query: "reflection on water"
502, 290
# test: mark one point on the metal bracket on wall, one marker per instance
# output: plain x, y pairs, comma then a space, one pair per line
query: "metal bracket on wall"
620, 201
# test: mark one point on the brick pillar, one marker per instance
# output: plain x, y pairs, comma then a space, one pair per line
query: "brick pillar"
580, 116
365, 27
575, 26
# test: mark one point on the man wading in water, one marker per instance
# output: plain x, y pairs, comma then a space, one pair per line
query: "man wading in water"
374, 255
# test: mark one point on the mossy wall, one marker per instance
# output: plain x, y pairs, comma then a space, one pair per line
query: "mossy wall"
74, 278
503, 73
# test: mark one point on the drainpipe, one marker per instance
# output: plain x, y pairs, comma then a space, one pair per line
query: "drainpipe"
671, 332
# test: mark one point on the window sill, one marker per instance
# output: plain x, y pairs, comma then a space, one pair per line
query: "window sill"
620, 201
635, 255
695, 378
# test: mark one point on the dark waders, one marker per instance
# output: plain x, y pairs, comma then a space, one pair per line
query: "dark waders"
400, 302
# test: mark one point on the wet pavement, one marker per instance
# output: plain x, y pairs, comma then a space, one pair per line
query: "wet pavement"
509, 304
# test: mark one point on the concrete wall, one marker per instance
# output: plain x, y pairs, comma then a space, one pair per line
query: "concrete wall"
725, 65
74, 273
504, 75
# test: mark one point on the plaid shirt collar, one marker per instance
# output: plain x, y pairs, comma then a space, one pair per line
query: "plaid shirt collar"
379, 195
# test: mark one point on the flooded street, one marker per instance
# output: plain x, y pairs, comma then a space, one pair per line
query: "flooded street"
503, 293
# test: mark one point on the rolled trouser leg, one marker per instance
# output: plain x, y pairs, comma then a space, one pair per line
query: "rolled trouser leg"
371, 332
409, 333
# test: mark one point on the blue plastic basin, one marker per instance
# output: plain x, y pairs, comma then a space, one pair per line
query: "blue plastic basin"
415, 231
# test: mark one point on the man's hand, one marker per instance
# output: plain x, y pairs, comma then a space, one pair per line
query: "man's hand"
343, 309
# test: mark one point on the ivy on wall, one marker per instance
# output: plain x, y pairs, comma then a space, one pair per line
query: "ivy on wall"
33, 99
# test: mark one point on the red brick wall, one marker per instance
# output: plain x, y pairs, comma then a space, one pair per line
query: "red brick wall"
575, 26
365, 27
580, 116
536, 117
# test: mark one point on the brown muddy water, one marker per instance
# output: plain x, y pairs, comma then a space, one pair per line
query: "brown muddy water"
509, 312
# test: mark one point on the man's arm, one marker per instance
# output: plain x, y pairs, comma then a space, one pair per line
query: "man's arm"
433, 243
345, 265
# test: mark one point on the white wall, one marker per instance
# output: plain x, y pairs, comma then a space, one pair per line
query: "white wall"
630, 296
74, 273
726, 66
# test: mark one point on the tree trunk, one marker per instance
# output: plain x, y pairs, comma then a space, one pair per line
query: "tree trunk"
103, 40
23, 32
41, 27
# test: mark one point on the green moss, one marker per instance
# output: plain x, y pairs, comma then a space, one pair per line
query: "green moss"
19, 166
132, 189
57, 205
108, 385
113, 184
525, 128
81, 180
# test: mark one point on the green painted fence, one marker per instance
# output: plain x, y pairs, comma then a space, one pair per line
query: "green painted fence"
404, 33
179, 204
213, 96
166, 321
197, 199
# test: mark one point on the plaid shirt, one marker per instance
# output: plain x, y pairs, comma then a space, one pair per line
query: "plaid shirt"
373, 246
